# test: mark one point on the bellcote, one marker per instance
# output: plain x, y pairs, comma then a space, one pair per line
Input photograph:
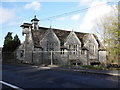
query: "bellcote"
35, 23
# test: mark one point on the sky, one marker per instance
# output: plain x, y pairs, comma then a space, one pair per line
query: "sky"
71, 15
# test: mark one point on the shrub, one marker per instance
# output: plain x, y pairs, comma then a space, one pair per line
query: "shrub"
92, 67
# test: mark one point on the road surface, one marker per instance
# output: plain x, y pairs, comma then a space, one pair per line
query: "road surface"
27, 76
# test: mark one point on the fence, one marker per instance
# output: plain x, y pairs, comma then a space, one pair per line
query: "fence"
46, 57
52, 57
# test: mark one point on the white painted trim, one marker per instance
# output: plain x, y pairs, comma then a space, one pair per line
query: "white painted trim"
10, 85
94, 39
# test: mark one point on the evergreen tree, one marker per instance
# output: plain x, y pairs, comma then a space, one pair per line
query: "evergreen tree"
8, 38
16, 41
10, 44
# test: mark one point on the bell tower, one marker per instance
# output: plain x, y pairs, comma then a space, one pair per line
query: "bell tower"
35, 23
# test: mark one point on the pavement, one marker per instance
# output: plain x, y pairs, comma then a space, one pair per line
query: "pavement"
79, 69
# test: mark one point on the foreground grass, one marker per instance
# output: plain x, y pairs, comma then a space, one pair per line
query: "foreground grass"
92, 67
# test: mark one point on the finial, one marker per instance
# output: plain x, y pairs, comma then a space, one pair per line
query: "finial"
35, 16
72, 30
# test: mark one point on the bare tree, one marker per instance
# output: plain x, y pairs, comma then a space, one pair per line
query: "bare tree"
107, 28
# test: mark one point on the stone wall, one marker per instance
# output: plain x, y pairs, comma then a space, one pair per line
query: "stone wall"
37, 57
50, 41
92, 46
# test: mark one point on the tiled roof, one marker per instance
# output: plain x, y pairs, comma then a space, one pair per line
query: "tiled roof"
61, 34
26, 25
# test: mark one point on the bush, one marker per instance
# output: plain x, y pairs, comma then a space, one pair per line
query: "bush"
118, 68
92, 67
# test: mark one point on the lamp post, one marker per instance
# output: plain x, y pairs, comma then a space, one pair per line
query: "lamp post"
77, 61
87, 56
51, 58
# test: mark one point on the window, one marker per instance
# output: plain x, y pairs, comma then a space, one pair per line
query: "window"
62, 51
92, 49
22, 53
69, 46
47, 49
50, 46
82, 52
73, 49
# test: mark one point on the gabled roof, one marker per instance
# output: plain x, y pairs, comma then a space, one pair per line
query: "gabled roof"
101, 46
61, 34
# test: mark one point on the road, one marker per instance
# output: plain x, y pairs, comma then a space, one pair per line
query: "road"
27, 76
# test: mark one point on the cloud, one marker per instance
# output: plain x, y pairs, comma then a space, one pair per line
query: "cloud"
14, 23
10, 0
75, 17
85, 2
61, 18
88, 2
33, 5
93, 14
6, 14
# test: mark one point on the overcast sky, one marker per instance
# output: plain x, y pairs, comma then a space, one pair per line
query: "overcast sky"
13, 13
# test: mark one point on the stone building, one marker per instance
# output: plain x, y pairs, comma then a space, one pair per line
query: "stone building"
54, 46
